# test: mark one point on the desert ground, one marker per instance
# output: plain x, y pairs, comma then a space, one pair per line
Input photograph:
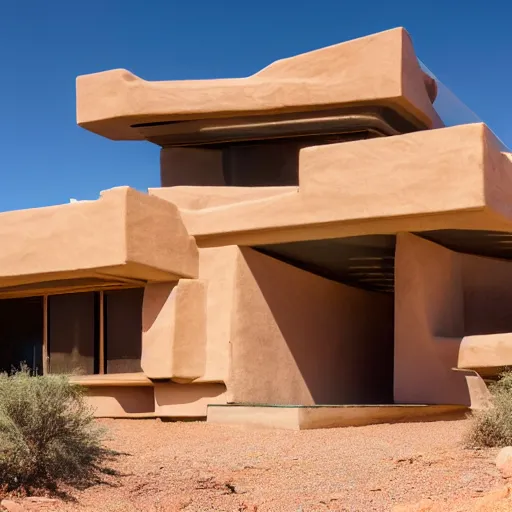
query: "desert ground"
196, 467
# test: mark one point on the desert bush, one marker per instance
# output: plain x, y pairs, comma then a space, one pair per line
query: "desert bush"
493, 427
47, 433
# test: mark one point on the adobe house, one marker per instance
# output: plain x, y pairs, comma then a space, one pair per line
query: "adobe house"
322, 250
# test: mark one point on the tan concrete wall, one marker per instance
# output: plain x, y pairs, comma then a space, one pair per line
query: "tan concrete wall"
218, 268
429, 323
187, 400
124, 234
174, 330
91, 232
119, 402
380, 69
487, 345
436, 179
201, 198
157, 238
487, 295
449, 311
301, 339
187, 166
262, 165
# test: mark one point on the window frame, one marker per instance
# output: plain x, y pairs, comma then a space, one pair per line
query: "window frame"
102, 356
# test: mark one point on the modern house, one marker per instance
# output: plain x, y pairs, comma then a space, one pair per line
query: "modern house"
320, 238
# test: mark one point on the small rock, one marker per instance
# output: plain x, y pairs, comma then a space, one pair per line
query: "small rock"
494, 498
12, 506
504, 462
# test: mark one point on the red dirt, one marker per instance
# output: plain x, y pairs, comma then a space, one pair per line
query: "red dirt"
198, 467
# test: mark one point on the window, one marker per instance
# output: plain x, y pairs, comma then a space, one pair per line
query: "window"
72, 333
123, 330
76, 333
21, 333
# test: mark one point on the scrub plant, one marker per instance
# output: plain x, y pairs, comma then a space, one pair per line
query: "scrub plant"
48, 434
493, 426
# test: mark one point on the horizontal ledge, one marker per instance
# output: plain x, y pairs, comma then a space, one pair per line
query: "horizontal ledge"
337, 406
114, 379
125, 237
62, 287
329, 416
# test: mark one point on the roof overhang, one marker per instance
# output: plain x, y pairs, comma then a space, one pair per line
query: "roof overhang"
125, 238
380, 71
452, 178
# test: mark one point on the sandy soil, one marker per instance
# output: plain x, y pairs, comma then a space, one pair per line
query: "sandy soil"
196, 467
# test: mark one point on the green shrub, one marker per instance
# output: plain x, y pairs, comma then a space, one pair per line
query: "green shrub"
47, 433
493, 427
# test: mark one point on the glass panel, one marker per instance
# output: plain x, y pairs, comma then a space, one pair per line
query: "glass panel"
73, 333
123, 330
21, 333
451, 110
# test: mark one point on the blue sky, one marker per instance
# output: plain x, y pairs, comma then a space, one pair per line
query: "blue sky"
46, 159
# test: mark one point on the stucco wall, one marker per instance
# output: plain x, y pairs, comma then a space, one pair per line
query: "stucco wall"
174, 330
262, 165
124, 234
111, 401
487, 295
187, 400
301, 339
429, 323
447, 305
217, 267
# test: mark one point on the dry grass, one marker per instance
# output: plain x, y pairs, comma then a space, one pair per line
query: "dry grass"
493, 427
47, 433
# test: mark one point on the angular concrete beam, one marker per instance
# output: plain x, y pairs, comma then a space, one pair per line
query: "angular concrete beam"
124, 235
378, 70
451, 178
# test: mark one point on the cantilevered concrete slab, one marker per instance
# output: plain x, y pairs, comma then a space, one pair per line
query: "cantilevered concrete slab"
380, 70
450, 178
123, 237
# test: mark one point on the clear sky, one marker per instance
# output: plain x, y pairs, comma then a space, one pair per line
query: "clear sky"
46, 159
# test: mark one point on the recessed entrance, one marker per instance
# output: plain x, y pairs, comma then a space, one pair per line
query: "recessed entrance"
341, 335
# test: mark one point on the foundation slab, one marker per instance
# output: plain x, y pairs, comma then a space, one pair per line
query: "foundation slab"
328, 416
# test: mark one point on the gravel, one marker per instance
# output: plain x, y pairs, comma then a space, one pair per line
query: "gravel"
196, 467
